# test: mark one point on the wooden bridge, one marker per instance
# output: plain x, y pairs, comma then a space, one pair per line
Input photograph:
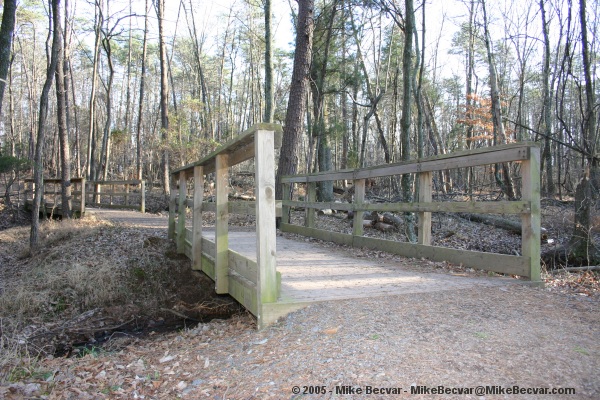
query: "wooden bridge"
271, 275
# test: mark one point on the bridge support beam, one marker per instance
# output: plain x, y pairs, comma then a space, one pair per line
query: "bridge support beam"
266, 238
222, 228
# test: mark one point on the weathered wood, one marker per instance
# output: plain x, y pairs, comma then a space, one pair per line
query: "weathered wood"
143, 199
268, 288
424, 216
285, 209
341, 238
181, 212
197, 218
237, 207
531, 222
222, 221
311, 197
114, 206
491, 207
243, 266
467, 158
239, 149
359, 199
245, 292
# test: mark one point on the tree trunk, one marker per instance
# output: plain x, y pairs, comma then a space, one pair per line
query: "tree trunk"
6, 34
43, 114
269, 93
164, 95
292, 130
582, 243
63, 133
547, 104
92, 104
141, 99
499, 134
407, 79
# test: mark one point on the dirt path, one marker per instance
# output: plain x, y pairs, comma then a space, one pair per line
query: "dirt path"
505, 336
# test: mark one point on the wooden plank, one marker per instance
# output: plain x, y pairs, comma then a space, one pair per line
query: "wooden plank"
244, 292
82, 195
181, 211
501, 263
143, 199
491, 207
467, 158
285, 209
239, 142
266, 238
311, 197
115, 206
341, 238
425, 216
208, 266
208, 247
359, 199
237, 207
123, 182
531, 223
197, 218
221, 226
243, 266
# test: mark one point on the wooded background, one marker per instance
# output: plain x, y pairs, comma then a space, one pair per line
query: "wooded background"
368, 82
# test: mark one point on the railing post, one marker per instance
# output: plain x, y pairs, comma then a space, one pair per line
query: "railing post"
285, 210
97, 193
126, 194
222, 224
268, 287
143, 200
531, 221
172, 206
311, 197
82, 198
197, 219
359, 200
181, 208
424, 217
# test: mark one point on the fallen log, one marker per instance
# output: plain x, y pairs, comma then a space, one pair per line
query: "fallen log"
392, 219
383, 227
498, 222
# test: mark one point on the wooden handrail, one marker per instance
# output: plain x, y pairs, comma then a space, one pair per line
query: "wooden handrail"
528, 154
254, 283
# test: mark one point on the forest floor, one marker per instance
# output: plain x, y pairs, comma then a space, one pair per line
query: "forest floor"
97, 313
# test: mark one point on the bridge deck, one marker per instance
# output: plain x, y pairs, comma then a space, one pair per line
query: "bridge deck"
312, 272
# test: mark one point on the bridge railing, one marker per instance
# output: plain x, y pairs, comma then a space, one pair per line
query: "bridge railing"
124, 194
527, 264
255, 283
51, 202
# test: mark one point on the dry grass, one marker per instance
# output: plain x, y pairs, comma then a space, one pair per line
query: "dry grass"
87, 276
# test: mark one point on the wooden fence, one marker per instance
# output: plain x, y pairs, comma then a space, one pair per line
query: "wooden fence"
527, 264
254, 282
126, 194
51, 203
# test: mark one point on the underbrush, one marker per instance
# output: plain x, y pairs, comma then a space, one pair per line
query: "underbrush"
89, 279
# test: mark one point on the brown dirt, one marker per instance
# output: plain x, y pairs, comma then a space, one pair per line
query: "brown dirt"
513, 335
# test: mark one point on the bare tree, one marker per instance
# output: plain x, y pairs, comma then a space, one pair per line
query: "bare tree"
141, 99
61, 109
498, 124
582, 243
164, 94
43, 115
6, 34
292, 130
